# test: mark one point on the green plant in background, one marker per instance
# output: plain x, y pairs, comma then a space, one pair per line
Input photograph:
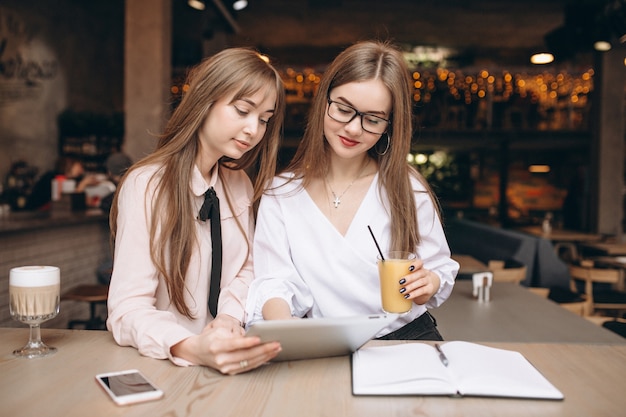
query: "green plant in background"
448, 174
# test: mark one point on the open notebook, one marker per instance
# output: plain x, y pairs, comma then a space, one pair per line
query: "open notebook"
320, 337
471, 370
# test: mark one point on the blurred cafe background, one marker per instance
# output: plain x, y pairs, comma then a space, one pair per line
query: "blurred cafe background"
505, 142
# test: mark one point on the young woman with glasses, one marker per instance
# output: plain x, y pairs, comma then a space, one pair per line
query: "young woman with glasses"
314, 254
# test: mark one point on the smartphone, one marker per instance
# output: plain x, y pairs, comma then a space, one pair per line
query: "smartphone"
128, 387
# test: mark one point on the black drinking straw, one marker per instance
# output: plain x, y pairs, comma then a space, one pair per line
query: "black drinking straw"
377, 247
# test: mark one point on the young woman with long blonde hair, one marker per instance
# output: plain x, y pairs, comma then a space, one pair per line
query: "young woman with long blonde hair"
159, 299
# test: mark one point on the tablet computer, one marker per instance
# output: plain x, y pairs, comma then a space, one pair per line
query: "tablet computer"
320, 337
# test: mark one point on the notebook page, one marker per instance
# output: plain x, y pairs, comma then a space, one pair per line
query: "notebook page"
486, 371
402, 369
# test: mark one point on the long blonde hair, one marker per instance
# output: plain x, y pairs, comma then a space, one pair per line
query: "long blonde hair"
238, 71
364, 61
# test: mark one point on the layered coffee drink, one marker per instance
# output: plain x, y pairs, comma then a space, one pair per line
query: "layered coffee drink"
34, 293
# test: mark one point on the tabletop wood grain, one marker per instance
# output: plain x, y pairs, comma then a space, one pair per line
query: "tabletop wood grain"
591, 376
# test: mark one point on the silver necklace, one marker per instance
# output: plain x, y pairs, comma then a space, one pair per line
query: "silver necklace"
337, 198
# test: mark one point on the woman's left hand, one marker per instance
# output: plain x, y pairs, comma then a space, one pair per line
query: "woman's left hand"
227, 322
420, 284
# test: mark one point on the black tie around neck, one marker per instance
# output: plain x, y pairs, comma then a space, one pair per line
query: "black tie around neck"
211, 210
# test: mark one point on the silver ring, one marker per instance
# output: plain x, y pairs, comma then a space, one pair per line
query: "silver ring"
243, 364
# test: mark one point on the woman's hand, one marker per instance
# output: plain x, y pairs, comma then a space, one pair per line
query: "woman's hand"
229, 353
227, 322
420, 284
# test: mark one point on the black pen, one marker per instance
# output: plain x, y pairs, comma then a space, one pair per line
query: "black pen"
442, 356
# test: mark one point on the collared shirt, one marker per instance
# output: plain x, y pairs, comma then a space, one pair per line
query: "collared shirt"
140, 311
300, 256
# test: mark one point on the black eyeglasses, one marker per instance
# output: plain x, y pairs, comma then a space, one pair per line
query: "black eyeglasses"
343, 113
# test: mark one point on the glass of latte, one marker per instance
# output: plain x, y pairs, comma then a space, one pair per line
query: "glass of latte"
34, 293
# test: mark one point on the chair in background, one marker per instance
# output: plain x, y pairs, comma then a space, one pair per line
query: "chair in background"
616, 325
94, 294
570, 300
540, 291
567, 252
597, 286
507, 271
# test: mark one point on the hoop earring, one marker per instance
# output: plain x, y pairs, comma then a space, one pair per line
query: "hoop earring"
386, 147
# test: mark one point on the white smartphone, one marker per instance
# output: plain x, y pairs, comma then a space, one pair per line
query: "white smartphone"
128, 387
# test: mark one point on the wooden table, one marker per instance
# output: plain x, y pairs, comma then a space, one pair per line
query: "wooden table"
606, 248
469, 265
514, 314
613, 261
591, 376
561, 235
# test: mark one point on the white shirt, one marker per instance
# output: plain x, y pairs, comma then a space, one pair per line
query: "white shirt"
300, 256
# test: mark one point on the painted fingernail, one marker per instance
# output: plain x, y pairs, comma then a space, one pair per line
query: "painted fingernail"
411, 268
402, 281
402, 290
407, 295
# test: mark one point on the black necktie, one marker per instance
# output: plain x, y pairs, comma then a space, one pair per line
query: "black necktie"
211, 210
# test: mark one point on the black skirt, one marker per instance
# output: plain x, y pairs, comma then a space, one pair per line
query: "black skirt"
422, 328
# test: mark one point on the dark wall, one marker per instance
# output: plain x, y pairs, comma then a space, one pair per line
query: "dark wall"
55, 55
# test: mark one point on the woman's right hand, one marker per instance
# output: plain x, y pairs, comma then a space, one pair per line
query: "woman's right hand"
226, 352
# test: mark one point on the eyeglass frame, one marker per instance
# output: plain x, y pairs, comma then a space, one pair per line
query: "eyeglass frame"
356, 113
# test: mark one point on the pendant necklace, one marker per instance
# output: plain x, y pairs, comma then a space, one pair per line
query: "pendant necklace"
337, 198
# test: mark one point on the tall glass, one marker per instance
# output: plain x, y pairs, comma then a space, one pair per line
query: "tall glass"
34, 293
395, 265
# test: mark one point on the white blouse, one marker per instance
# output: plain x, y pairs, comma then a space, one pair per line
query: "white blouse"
300, 256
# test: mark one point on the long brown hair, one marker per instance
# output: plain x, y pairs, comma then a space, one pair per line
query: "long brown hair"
238, 71
365, 61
